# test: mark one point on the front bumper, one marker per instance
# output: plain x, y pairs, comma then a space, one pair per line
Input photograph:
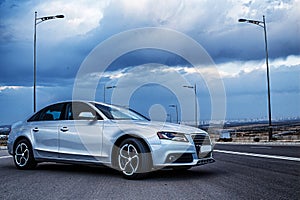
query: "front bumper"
10, 146
175, 154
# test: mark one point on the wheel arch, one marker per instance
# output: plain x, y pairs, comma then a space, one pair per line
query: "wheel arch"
124, 137
19, 139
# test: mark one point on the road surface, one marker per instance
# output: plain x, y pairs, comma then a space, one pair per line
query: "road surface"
237, 174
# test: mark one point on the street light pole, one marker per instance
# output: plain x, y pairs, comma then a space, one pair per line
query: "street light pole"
105, 88
104, 93
196, 108
263, 25
34, 63
38, 20
169, 115
175, 106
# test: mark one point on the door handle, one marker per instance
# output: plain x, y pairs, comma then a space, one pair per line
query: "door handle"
36, 129
64, 129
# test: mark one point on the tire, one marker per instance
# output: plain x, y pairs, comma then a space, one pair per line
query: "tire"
133, 160
23, 155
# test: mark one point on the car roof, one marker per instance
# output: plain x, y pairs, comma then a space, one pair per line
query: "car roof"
87, 102
82, 101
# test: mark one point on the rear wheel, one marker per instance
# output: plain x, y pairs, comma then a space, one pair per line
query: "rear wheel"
23, 155
133, 159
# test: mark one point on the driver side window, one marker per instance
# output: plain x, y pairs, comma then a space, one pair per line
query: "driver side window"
81, 111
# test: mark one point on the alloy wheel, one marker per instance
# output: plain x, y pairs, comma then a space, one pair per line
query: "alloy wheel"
22, 154
128, 159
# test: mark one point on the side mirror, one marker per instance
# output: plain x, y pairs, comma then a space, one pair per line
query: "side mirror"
87, 116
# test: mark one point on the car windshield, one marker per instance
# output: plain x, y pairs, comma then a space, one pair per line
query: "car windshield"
119, 113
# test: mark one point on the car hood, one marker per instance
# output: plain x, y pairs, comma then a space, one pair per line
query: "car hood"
154, 126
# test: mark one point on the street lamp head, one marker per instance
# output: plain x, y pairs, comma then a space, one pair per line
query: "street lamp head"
46, 18
254, 22
188, 86
110, 87
251, 21
59, 16
243, 20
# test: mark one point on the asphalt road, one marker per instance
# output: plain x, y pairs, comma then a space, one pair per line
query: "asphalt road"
230, 177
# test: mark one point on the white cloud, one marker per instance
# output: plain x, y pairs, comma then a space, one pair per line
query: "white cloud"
177, 14
81, 16
205, 15
290, 61
2, 88
243, 80
235, 68
231, 69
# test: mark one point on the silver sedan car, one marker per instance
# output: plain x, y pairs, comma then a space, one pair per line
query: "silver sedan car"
98, 133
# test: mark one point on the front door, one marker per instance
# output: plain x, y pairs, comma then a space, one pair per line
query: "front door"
80, 136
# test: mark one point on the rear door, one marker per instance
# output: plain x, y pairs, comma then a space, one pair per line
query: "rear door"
44, 128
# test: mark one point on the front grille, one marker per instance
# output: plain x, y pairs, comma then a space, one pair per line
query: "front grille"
201, 139
204, 155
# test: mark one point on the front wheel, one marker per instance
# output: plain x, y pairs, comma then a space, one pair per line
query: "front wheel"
134, 161
23, 155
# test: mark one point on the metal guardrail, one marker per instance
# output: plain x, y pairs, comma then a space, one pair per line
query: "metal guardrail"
4, 130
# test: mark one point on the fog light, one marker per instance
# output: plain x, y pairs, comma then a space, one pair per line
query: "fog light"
172, 158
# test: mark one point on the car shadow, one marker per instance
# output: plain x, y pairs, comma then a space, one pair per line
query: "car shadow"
163, 174
179, 175
77, 168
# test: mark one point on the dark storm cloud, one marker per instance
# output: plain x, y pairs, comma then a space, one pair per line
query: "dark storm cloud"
214, 26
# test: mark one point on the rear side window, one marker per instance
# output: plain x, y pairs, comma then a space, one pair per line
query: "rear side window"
50, 113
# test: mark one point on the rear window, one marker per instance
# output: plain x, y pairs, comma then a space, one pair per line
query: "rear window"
50, 113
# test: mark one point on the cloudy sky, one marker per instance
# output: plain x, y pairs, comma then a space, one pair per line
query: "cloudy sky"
151, 79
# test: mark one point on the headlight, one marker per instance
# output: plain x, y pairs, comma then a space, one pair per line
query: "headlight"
180, 137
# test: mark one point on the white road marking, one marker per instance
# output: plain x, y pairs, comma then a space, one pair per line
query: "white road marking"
258, 147
260, 155
2, 157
